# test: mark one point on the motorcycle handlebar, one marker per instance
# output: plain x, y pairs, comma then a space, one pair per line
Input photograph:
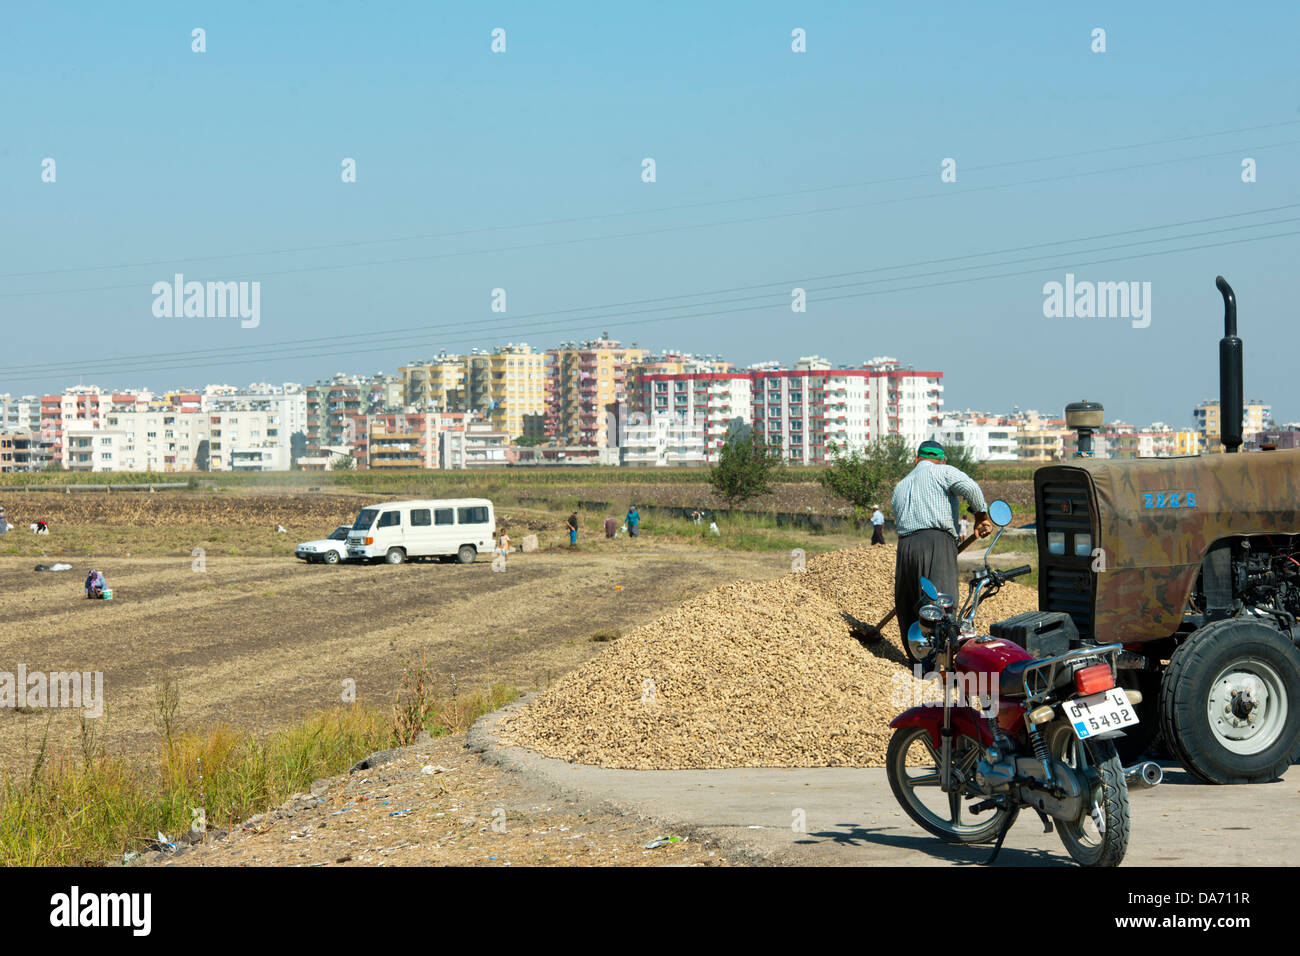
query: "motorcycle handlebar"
1014, 572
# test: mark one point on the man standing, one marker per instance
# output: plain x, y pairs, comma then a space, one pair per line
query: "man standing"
926, 510
572, 525
877, 526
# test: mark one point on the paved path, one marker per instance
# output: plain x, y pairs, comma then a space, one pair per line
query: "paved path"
852, 818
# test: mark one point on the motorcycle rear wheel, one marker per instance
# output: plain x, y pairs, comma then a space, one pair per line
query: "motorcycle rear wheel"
1084, 841
933, 810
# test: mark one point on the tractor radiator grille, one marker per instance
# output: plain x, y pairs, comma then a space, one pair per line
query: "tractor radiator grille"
1066, 581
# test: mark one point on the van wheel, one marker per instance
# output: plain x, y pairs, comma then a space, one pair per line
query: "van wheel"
466, 554
1230, 703
331, 557
395, 556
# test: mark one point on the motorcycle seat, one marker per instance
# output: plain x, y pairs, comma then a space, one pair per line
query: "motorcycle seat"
1011, 682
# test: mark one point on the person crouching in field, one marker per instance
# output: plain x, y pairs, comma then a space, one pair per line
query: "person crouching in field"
95, 584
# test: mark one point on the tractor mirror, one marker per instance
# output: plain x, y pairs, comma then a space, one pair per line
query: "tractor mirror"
1000, 513
928, 589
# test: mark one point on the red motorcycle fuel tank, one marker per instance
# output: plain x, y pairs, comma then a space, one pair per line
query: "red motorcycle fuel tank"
989, 655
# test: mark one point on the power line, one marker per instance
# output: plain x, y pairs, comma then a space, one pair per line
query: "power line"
551, 243
850, 295
284, 348
654, 211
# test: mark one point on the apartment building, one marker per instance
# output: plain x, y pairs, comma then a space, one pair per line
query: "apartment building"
401, 440
903, 401
987, 437
661, 440
1256, 417
437, 383
332, 408
584, 380
712, 401
476, 445
20, 413
508, 385
805, 411
22, 450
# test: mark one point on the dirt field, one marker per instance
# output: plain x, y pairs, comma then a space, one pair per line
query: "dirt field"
461, 811
260, 641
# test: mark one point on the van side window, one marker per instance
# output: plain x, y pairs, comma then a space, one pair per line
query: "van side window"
443, 516
420, 518
475, 515
390, 519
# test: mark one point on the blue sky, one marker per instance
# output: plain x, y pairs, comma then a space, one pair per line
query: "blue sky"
522, 171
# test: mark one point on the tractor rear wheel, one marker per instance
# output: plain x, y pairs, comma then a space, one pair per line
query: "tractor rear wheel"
1230, 703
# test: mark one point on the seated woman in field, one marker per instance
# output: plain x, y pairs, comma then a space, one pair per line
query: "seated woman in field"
95, 584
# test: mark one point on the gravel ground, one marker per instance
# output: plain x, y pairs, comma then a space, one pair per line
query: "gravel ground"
751, 674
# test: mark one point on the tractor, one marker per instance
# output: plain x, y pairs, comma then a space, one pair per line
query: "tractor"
1193, 564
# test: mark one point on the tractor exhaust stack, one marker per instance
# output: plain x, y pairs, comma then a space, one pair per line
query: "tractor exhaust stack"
1231, 398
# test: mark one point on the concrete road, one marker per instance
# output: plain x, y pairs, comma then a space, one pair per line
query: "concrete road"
852, 819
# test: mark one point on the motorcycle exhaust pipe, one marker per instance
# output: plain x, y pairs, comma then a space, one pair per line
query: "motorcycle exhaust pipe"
1144, 775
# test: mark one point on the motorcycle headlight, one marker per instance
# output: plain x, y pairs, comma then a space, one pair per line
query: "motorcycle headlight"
919, 642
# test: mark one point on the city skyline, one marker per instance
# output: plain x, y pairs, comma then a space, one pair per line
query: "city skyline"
379, 187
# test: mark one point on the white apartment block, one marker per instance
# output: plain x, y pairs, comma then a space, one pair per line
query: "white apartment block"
662, 439
709, 401
20, 413
987, 438
803, 412
474, 446
904, 402
130, 438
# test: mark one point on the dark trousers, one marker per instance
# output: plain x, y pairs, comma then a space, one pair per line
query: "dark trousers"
931, 553
877, 534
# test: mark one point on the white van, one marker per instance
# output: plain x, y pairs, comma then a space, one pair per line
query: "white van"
400, 530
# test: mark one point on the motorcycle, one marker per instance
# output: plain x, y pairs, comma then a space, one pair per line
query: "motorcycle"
1022, 732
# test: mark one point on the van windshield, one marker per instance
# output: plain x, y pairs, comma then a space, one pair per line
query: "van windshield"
365, 519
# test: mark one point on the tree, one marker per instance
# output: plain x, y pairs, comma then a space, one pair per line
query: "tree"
961, 457
747, 466
864, 478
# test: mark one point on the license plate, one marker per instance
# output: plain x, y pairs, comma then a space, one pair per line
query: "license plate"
1100, 713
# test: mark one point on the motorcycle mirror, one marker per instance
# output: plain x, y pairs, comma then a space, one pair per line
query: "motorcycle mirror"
928, 588
1000, 513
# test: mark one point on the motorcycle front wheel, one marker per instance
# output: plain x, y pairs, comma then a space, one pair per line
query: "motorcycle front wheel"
912, 765
1099, 837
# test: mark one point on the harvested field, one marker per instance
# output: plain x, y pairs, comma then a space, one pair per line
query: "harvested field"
261, 642
751, 674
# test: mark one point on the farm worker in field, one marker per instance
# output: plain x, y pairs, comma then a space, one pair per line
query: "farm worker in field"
877, 525
95, 584
611, 526
572, 525
503, 542
965, 528
4, 522
926, 511
633, 521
